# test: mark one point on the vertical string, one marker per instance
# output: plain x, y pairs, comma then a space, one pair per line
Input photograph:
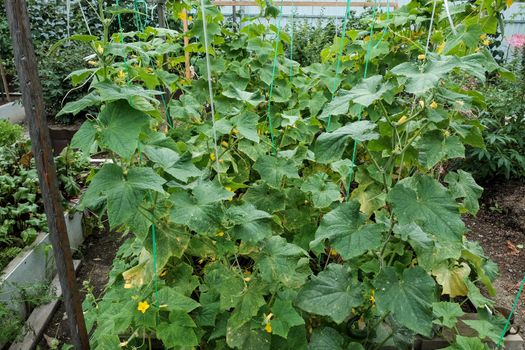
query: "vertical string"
338, 64
274, 69
292, 28
210, 84
365, 74
507, 324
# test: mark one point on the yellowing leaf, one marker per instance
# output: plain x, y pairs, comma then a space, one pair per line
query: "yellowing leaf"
452, 279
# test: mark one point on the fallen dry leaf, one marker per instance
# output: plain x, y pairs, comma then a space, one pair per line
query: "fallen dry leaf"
512, 248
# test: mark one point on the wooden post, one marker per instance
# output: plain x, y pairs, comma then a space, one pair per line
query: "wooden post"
186, 43
26, 65
4, 81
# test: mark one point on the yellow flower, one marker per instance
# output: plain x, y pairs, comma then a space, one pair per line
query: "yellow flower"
372, 297
402, 120
212, 156
183, 15
163, 273
92, 63
235, 131
220, 234
190, 18
268, 328
229, 189
247, 279
100, 49
441, 47
224, 143
486, 42
433, 105
422, 103
121, 75
421, 57
143, 306
477, 49
333, 252
483, 36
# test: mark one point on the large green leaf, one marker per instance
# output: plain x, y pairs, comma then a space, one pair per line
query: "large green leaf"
283, 262
467, 343
251, 301
84, 138
285, 317
434, 147
323, 191
124, 193
330, 146
424, 201
265, 198
199, 217
408, 297
251, 98
463, 185
179, 331
369, 90
345, 229
466, 37
248, 223
187, 108
447, 313
333, 293
273, 169
327, 339
120, 127
419, 80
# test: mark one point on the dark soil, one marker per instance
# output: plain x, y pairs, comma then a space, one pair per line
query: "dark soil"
500, 229
97, 254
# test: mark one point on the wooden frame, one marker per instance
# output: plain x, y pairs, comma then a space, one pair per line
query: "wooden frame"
308, 3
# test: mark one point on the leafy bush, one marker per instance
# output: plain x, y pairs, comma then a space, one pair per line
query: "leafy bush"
9, 133
21, 208
504, 123
259, 228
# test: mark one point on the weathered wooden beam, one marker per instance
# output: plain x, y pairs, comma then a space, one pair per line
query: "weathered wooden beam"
4, 81
31, 88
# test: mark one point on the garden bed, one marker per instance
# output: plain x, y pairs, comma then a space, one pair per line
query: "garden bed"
35, 265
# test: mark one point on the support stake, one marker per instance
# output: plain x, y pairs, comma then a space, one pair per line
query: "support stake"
31, 88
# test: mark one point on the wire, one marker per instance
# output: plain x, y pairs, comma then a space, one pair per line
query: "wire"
507, 324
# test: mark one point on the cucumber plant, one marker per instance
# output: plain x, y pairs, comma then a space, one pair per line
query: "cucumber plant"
320, 221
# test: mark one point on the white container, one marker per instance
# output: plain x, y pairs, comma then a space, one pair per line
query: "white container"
13, 112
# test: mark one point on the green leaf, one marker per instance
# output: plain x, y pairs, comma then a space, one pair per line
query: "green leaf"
434, 147
120, 127
251, 301
251, 98
408, 297
466, 37
369, 90
467, 343
248, 223
421, 242
199, 217
174, 301
463, 185
84, 138
333, 293
186, 108
424, 201
338, 106
329, 146
323, 192
476, 297
447, 313
178, 332
246, 124
265, 198
273, 169
285, 317
283, 262
174, 243
420, 81
485, 329
248, 338
326, 339
124, 194
347, 232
